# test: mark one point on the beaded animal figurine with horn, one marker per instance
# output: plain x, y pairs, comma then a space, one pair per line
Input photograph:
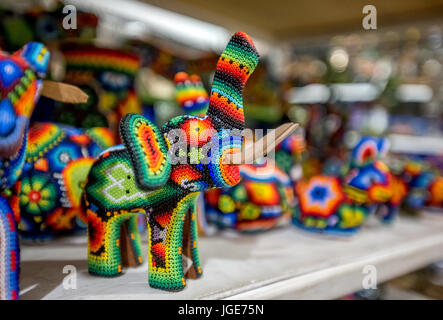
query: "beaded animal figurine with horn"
150, 173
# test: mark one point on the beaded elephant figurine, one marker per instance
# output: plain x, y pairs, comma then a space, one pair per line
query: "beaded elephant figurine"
21, 85
334, 205
139, 176
58, 159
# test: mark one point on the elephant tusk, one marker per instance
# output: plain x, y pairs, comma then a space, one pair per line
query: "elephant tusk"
63, 92
265, 145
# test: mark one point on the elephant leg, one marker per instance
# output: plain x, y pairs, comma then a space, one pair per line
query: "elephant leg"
104, 241
165, 245
190, 240
130, 244
9, 253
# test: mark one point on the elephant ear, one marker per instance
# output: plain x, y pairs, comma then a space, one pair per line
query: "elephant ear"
147, 150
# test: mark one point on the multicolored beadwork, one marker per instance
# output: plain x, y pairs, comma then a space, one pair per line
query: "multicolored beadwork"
20, 83
191, 94
58, 160
338, 205
424, 184
9, 253
262, 200
140, 176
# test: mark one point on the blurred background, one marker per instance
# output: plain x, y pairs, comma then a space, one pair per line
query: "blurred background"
319, 67
317, 60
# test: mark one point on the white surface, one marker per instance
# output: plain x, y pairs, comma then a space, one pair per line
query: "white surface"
282, 263
429, 145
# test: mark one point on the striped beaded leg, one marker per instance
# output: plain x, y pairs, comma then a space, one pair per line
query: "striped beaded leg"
130, 243
190, 240
9, 253
165, 245
104, 239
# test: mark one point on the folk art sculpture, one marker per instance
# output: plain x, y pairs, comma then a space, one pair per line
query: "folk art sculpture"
139, 176
21, 84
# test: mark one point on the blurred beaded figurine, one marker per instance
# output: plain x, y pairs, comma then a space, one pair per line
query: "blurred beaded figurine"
20, 85
139, 176
329, 204
191, 95
108, 76
261, 201
58, 159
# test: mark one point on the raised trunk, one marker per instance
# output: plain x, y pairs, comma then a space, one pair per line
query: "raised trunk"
234, 67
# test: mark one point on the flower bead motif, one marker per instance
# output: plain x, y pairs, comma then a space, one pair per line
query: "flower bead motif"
59, 157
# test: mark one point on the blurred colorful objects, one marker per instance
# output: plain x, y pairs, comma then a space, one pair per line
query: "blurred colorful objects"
191, 95
424, 183
340, 205
48, 195
262, 200
108, 76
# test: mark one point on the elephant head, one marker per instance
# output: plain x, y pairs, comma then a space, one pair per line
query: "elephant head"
199, 145
21, 84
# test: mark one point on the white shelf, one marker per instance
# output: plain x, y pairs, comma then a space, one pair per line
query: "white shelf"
282, 263
403, 143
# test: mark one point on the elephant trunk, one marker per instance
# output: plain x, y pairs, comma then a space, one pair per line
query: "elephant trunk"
235, 65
